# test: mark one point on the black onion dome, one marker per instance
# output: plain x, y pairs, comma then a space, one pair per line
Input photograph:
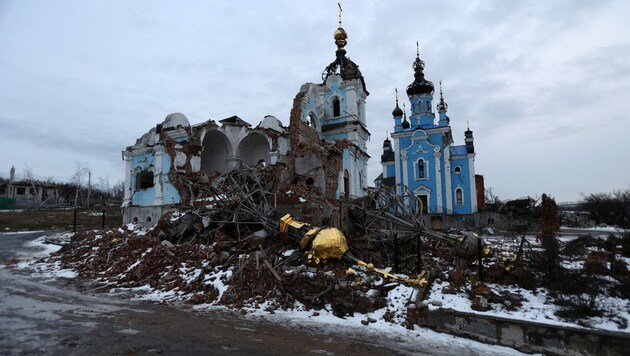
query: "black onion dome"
419, 85
342, 65
442, 105
397, 111
405, 124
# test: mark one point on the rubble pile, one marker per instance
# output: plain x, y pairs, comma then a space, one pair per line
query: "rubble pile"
127, 259
229, 273
231, 248
225, 250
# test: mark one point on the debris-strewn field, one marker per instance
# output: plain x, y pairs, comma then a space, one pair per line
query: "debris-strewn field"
264, 274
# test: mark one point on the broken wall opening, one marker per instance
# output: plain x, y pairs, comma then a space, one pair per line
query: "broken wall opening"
144, 180
216, 150
254, 150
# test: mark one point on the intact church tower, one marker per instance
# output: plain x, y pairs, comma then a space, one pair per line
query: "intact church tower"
424, 161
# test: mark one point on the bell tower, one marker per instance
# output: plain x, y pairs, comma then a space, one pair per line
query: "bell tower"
344, 94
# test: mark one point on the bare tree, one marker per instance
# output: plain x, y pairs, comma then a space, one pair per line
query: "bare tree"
118, 190
493, 203
29, 176
610, 208
81, 169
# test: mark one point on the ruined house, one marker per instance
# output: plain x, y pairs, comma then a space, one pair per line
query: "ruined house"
323, 148
26, 193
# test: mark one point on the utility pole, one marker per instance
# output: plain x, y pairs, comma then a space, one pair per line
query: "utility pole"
10, 193
89, 188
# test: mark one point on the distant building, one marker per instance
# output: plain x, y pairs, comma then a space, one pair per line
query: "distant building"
424, 159
27, 194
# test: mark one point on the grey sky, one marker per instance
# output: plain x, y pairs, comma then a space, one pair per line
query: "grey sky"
545, 86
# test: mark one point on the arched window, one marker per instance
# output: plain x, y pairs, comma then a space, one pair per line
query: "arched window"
428, 105
144, 180
459, 196
421, 172
458, 169
312, 121
336, 107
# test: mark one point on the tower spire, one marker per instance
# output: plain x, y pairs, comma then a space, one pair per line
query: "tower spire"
442, 105
420, 85
397, 111
405, 123
340, 35
343, 65
340, 10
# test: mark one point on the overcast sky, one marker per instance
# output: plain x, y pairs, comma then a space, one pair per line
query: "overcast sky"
544, 85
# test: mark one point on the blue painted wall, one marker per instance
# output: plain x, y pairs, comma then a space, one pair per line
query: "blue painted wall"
140, 162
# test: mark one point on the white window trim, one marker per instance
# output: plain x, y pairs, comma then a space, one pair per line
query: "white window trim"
463, 202
416, 171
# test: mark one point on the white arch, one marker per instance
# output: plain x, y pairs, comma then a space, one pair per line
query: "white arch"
216, 150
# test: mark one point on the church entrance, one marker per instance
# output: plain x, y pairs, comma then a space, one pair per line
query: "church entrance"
423, 206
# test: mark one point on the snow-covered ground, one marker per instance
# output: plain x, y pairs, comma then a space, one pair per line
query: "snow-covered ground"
606, 228
536, 307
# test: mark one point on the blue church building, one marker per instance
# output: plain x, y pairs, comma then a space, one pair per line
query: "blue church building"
423, 160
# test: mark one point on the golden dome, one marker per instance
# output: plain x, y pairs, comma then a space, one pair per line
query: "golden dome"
329, 243
340, 37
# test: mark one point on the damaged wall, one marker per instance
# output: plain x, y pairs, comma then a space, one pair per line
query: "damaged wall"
166, 162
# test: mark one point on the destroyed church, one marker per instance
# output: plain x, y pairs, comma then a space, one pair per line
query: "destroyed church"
322, 153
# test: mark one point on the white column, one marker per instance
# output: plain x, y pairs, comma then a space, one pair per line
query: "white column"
157, 178
127, 197
473, 186
405, 169
405, 177
447, 177
233, 162
397, 162
351, 101
438, 181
